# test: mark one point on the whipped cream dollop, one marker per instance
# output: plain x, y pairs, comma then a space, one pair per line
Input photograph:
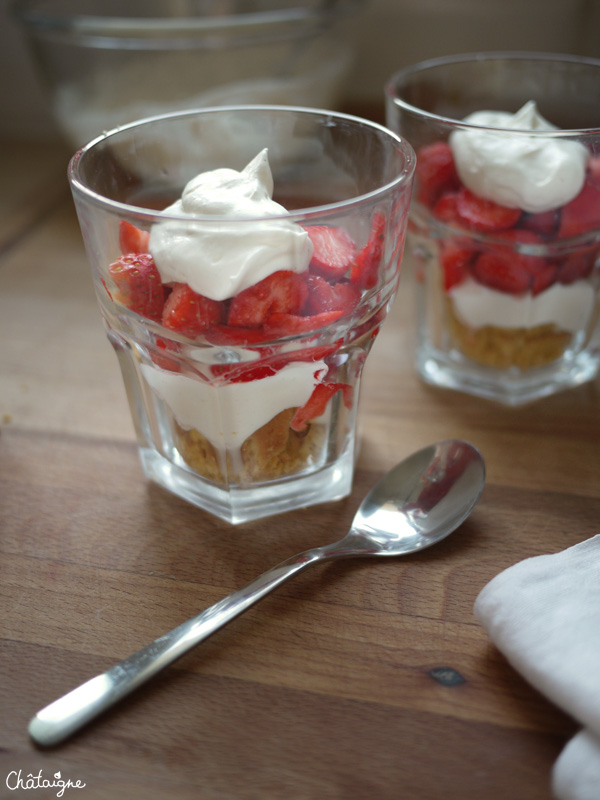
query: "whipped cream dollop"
533, 173
569, 307
228, 241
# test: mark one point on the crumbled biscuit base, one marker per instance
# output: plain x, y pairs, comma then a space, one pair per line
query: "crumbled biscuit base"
273, 451
508, 347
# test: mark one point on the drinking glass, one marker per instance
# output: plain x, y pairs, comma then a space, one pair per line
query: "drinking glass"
245, 402
505, 220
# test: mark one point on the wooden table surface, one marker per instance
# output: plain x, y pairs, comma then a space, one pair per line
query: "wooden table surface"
333, 686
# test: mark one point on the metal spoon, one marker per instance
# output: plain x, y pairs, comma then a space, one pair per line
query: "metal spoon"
418, 503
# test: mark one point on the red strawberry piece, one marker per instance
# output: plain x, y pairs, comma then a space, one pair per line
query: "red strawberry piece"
520, 239
292, 324
455, 259
241, 372
233, 335
435, 172
245, 373
270, 364
514, 260
545, 223
499, 269
366, 265
576, 266
323, 296
333, 251
369, 328
593, 167
581, 214
317, 403
479, 214
139, 284
190, 313
132, 239
282, 292
444, 208
543, 278
161, 359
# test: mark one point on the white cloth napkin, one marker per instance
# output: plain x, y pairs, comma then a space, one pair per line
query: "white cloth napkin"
544, 615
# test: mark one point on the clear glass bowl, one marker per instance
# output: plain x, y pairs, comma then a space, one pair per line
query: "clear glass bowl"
107, 63
254, 412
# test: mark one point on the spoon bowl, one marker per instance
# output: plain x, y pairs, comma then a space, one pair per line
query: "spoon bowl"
416, 504
421, 500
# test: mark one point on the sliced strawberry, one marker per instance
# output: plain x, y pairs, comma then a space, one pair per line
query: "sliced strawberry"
500, 270
576, 266
519, 237
435, 172
282, 292
317, 403
370, 327
545, 223
139, 284
246, 372
364, 272
292, 324
593, 167
323, 296
505, 266
444, 208
132, 239
543, 278
234, 335
333, 251
270, 364
455, 259
582, 214
161, 359
482, 215
190, 313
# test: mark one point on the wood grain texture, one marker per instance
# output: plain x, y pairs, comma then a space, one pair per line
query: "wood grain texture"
34, 180
356, 679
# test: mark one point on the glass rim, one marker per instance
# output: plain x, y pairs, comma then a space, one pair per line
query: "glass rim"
46, 21
79, 187
391, 93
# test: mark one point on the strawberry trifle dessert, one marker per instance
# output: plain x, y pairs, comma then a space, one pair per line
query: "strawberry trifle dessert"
513, 218
242, 311
256, 416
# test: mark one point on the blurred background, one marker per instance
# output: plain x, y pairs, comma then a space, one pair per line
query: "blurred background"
387, 35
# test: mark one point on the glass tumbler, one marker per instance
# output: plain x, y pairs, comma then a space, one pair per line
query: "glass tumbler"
242, 333
505, 220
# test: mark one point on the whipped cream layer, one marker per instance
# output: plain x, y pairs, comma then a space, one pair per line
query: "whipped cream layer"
227, 415
228, 243
533, 173
569, 307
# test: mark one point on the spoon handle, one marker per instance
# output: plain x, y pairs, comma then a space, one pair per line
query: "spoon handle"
57, 721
